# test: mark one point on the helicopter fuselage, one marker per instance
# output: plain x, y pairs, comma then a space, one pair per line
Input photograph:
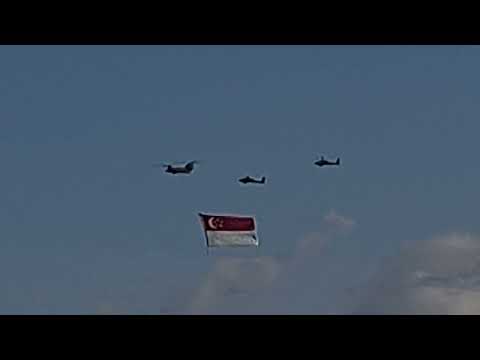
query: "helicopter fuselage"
177, 170
248, 179
326, 162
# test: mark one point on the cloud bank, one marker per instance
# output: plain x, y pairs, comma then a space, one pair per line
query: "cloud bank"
438, 276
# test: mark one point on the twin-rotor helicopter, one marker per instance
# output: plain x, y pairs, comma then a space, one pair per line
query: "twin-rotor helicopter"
178, 169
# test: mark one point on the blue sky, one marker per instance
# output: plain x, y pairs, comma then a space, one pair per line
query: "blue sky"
88, 225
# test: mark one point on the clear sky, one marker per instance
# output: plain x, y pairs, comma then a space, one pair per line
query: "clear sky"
88, 226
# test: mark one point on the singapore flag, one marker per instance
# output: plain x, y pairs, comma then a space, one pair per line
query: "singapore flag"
228, 230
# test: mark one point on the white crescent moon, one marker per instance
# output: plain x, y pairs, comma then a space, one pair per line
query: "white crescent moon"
210, 223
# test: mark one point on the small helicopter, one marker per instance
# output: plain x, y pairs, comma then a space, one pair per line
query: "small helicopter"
248, 179
171, 169
323, 162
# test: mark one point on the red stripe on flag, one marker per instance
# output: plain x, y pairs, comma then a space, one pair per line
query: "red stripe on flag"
227, 223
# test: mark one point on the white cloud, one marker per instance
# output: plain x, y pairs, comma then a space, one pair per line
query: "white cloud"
332, 226
231, 280
340, 222
439, 276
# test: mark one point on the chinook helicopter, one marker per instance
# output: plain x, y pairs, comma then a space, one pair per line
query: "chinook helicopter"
172, 169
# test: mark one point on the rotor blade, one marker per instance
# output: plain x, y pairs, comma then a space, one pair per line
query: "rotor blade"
191, 163
159, 165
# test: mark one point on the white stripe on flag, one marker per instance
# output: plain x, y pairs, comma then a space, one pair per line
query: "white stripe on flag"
232, 238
